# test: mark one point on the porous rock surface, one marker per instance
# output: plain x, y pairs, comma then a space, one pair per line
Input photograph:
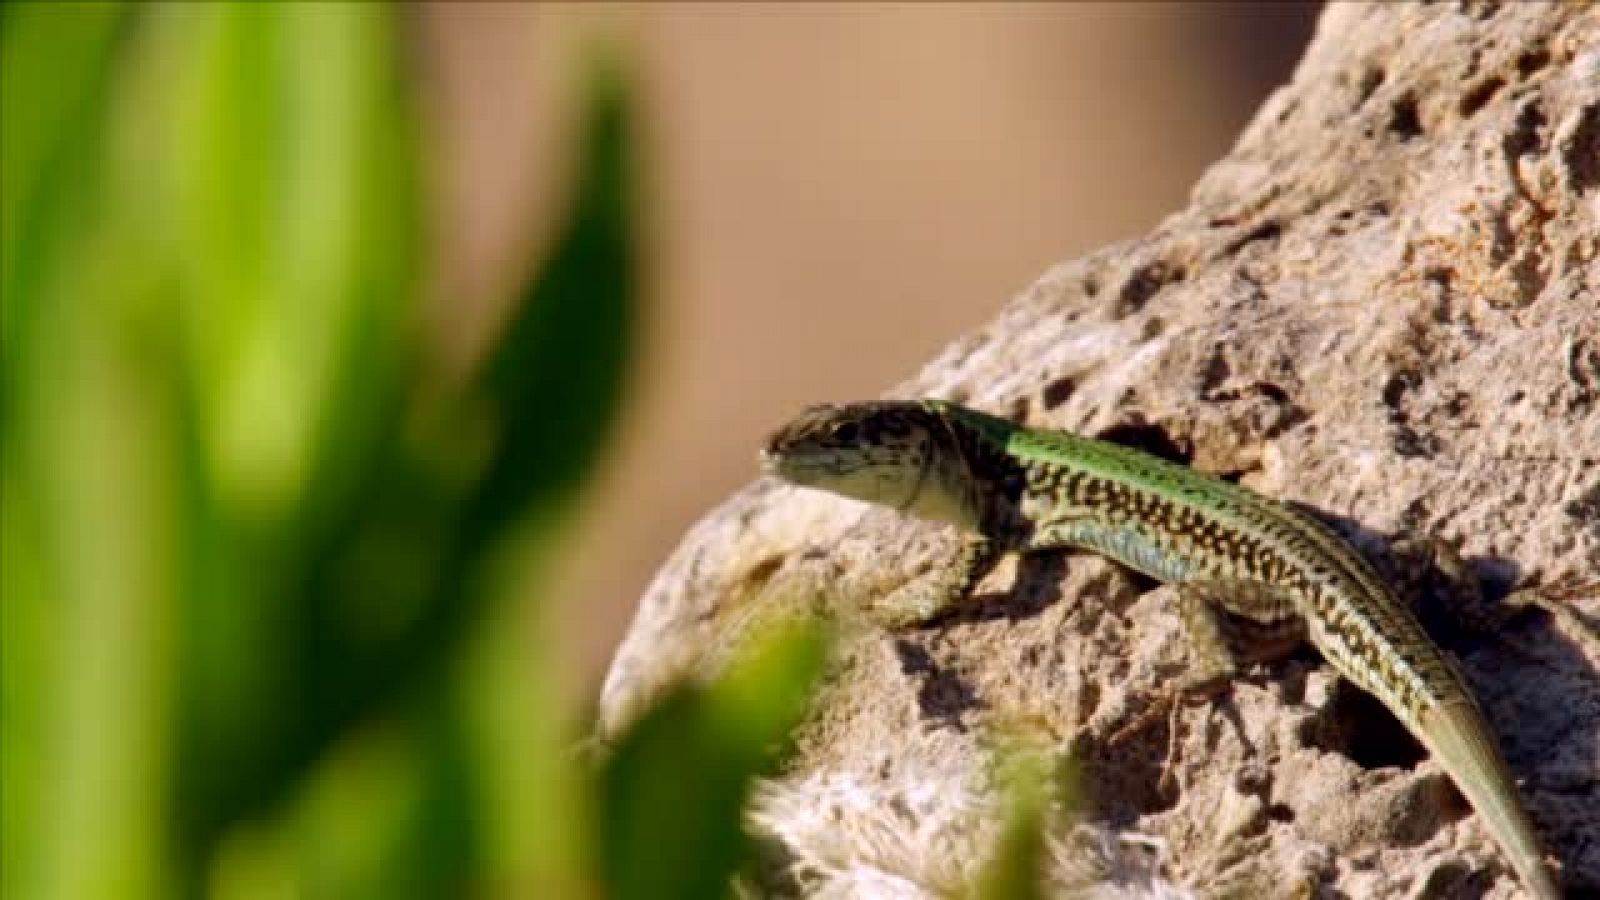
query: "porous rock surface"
1383, 305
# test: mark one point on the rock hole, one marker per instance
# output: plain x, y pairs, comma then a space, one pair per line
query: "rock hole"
1587, 507
1479, 97
1152, 439
1266, 231
1407, 441
1126, 779
1280, 812
1142, 583
1367, 733
1368, 84
1145, 282
1216, 372
942, 694
1398, 385
759, 574
1057, 392
1404, 122
1532, 61
1453, 878
1411, 444
1525, 137
1032, 655
1272, 392
1292, 415
1580, 152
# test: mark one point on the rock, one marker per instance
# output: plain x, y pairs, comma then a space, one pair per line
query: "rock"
1384, 306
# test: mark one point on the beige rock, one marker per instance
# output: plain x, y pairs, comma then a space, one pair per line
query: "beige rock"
1384, 305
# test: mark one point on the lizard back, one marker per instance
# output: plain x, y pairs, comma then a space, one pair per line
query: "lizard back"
1177, 525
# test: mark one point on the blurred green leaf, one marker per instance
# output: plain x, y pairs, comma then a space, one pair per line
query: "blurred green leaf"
257, 636
276, 175
85, 579
54, 66
1037, 797
418, 535
516, 696
1016, 869
291, 182
555, 379
673, 790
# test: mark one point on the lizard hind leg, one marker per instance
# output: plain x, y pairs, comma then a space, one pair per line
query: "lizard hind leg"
1233, 621
1558, 600
1468, 608
1226, 622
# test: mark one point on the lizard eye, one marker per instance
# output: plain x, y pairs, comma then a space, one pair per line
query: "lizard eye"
846, 432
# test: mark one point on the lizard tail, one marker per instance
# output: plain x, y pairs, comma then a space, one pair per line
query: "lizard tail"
1456, 736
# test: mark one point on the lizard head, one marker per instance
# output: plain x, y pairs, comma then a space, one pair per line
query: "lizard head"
878, 452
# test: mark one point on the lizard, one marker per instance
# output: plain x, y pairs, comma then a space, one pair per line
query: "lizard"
1235, 558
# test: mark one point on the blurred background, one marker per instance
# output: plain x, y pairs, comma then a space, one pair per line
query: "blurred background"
361, 363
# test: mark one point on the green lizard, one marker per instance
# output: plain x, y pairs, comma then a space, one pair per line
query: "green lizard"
1230, 552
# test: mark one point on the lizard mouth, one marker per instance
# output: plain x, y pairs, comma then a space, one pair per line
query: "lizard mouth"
771, 462
793, 468
806, 469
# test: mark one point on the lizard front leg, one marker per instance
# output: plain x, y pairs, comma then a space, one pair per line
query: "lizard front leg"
918, 602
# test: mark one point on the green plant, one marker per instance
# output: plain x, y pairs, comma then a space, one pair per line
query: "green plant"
266, 611
262, 623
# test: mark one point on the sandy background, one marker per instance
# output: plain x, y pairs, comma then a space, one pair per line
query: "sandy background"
835, 193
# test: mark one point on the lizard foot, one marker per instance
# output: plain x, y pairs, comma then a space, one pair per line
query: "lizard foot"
1469, 609
1168, 704
1557, 600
